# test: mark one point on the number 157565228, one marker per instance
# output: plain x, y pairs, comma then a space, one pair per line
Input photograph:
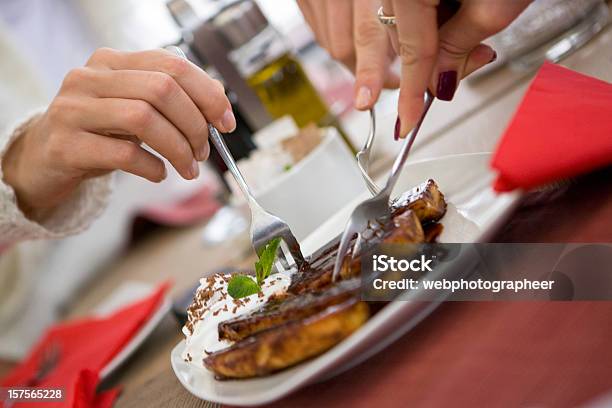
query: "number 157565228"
13, 394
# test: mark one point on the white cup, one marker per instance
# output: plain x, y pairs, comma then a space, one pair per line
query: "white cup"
316, 187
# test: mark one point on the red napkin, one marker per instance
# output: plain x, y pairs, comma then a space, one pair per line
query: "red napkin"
563, 128
200, 206
86, 346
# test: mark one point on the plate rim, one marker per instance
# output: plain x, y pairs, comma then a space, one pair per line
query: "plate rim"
319, 364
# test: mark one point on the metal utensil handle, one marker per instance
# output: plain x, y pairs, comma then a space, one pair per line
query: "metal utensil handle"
229, 161
367, 147
223, 151
400, 160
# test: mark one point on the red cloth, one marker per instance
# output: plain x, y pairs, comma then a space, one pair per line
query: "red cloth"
200, 206
86, 346
562, 129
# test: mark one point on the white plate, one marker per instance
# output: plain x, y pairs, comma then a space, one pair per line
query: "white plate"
474, 213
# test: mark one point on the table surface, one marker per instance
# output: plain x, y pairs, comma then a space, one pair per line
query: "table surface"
501, 352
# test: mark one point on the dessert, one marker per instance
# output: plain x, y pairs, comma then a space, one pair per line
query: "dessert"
299, 314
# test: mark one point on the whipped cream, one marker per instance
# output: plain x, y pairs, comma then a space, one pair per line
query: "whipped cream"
212, 305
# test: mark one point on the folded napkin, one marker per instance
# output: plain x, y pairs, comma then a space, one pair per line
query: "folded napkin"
202, 204
563, 128
85, 346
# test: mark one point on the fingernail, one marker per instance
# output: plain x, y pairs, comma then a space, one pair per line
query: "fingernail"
494, 57
195, 169
447, 84
228, 121
202, 152
398, 127
364, 96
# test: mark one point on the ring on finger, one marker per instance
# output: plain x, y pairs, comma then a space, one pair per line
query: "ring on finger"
385, 19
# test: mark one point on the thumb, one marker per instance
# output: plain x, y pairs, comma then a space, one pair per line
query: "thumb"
462, 34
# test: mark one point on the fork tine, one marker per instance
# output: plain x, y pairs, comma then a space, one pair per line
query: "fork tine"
374, 212
294, 247
345, 241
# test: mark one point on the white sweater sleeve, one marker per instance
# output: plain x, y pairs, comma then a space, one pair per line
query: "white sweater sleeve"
71, 217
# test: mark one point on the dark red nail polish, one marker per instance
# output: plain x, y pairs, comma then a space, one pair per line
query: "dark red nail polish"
447, 84
398, 127
494, 58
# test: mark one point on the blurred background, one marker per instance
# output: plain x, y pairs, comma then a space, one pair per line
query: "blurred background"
287, 95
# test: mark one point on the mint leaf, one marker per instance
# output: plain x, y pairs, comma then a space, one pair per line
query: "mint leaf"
241, 286
263, 267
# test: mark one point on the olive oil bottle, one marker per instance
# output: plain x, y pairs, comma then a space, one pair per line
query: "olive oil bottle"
264, 60
284, 88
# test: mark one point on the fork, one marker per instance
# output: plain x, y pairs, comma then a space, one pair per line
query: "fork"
264, 226
363, 156
369, 217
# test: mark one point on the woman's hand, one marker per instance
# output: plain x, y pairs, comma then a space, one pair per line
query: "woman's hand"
349, 30
101, 115
438, 42
438, 59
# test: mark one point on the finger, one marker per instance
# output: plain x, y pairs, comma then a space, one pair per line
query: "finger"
319, 12
339, 20
479, 57
417, 33
91, 152
372, 54
315, 26
157, 88
391, 30
392, 79
207, 93
473, 22
308, 14
139, 118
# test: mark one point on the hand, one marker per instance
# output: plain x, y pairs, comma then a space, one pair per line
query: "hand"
101, 115
349, 30
438, 59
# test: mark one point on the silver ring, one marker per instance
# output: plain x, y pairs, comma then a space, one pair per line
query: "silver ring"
384, 19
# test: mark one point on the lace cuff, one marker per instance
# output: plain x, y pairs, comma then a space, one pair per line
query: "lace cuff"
73, 216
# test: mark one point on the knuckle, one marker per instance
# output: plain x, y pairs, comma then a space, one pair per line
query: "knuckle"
60, 109
126, 154
410, 54
369, 72
489, 20
199, 132
219, 88
163, 86
75, 78
451, 49
183, 151
100, 55
367, 32
140, 115
176, 66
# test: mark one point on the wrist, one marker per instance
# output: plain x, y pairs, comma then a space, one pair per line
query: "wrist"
15, 168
